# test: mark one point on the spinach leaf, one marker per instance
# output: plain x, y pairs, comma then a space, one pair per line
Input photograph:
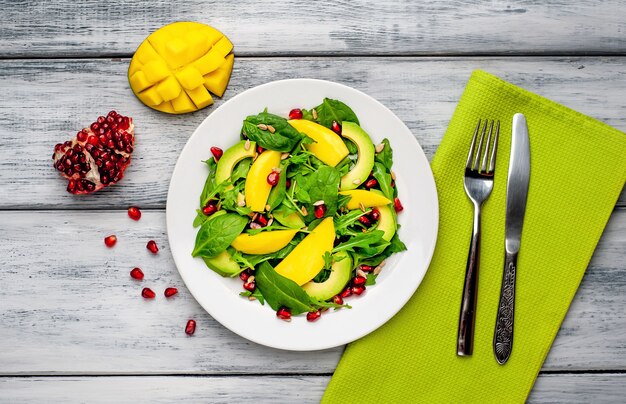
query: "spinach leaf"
371, 279
279, 291
386, 156
352, 149
322, 184
395, 246
334, 110
229, 200
384, 180
363, 241
284, 138
241, 170
209, 184
216, 235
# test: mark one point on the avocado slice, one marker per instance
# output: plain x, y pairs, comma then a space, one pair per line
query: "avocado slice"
231, 157
223, 264
339, 277
365, 162
387, 219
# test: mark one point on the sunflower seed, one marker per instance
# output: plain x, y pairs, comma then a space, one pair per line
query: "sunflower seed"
377, 270
284, 156
269, 222
268, 207
362, 273
255, 225
362, 207
314, 113
318, 203
380, 147
271, 129
262, 126
251, 298
247, 145
250, 279
356, 182
393, 175
304, 211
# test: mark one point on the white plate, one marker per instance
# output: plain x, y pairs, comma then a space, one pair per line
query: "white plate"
397, 282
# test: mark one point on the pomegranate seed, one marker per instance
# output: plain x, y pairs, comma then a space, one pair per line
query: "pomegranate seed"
217, 153
262, 220
134, 213
375, 214
190, 328
288, 183
148, 293
358, 290
272, 178
244, 275
110, 240
209, 209
336, 127
152, 246
295, 113
393, 183
136, 273
320, 211
284, 314
371, 183
249, 286
359, 280
347, 292
366, 268
313, 316
337, 300
365, 221
259, 149
398, 205
169, 292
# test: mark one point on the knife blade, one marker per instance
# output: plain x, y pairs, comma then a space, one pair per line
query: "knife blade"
516, 195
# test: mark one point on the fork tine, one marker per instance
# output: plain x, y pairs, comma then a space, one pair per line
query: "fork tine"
483, 167
492, 160
471, 149
480, 146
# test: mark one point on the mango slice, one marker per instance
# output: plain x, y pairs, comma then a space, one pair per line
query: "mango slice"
257, 189
265, 242
174, 67
306, 260
328, 146
366, 198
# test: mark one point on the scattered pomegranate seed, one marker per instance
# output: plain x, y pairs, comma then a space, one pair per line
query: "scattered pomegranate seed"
261, 220
169, 292
136, 273
398, 205
336, 127
259, 149
337, 300
209, 209
393, 183
366, 268
190, 328
134, 213
375, 214
284, 314
148, 293
371, 183
359, 280
358, 290
217, 153
244, 275
313, 316
347, 292
249, 286
365, 221
320, 211
110, 240
272, 178
295, 113
152, 246
288, 183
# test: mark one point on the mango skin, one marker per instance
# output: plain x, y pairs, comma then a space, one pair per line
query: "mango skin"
328, 146
306, 260
257, 189
265, 242
369, 199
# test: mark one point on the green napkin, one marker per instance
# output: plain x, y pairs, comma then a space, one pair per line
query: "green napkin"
578, 168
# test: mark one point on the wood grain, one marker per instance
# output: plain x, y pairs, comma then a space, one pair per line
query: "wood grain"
47, 101
549, 388
392, 27
70, 307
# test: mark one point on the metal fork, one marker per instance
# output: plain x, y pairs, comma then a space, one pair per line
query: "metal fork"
478, 184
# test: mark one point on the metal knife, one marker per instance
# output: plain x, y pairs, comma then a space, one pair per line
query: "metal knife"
516, 192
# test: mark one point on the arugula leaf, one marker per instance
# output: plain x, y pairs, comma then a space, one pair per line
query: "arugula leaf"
384, 179
334, 110
257, 293
284, 138
395, 246
217, 234
371, 279
363, 241
279, 291
322, 275
229, 200
344, 221
328, 260
386, 156
320, 304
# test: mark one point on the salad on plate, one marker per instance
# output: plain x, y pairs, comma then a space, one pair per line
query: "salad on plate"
302, 209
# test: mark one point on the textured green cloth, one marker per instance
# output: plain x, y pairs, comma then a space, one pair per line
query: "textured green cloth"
578, 168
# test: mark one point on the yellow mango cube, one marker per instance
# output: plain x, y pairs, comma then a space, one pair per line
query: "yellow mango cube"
165, 106
200, 96
139, 81
222, 47
217, 80
134, 67
183, 103
190, 78
199, 44
176, 55
150, 97
146, 53
156, 70
168, 88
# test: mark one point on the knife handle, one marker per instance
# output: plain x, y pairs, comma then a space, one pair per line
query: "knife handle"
503, 334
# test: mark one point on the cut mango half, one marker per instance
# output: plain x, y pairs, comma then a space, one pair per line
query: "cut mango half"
178, 66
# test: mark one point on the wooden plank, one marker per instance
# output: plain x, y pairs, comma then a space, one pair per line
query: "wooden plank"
93, 28
68, 305
549, 388
47, 101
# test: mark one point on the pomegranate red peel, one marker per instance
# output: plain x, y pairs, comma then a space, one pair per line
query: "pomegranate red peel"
98, 155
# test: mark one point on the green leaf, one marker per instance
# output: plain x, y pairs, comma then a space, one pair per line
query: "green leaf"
386, 155
241, 170
321, 185
334, 110
363, 241
209, 184
217, 234
384, 180
277, 194
257, 294
371, 279
280, 291
284, 138
395, 246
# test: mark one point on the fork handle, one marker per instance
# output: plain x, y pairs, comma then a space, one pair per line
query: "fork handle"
465, 337
503, 334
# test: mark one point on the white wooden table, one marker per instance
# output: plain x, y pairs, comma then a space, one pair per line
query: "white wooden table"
72, 324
